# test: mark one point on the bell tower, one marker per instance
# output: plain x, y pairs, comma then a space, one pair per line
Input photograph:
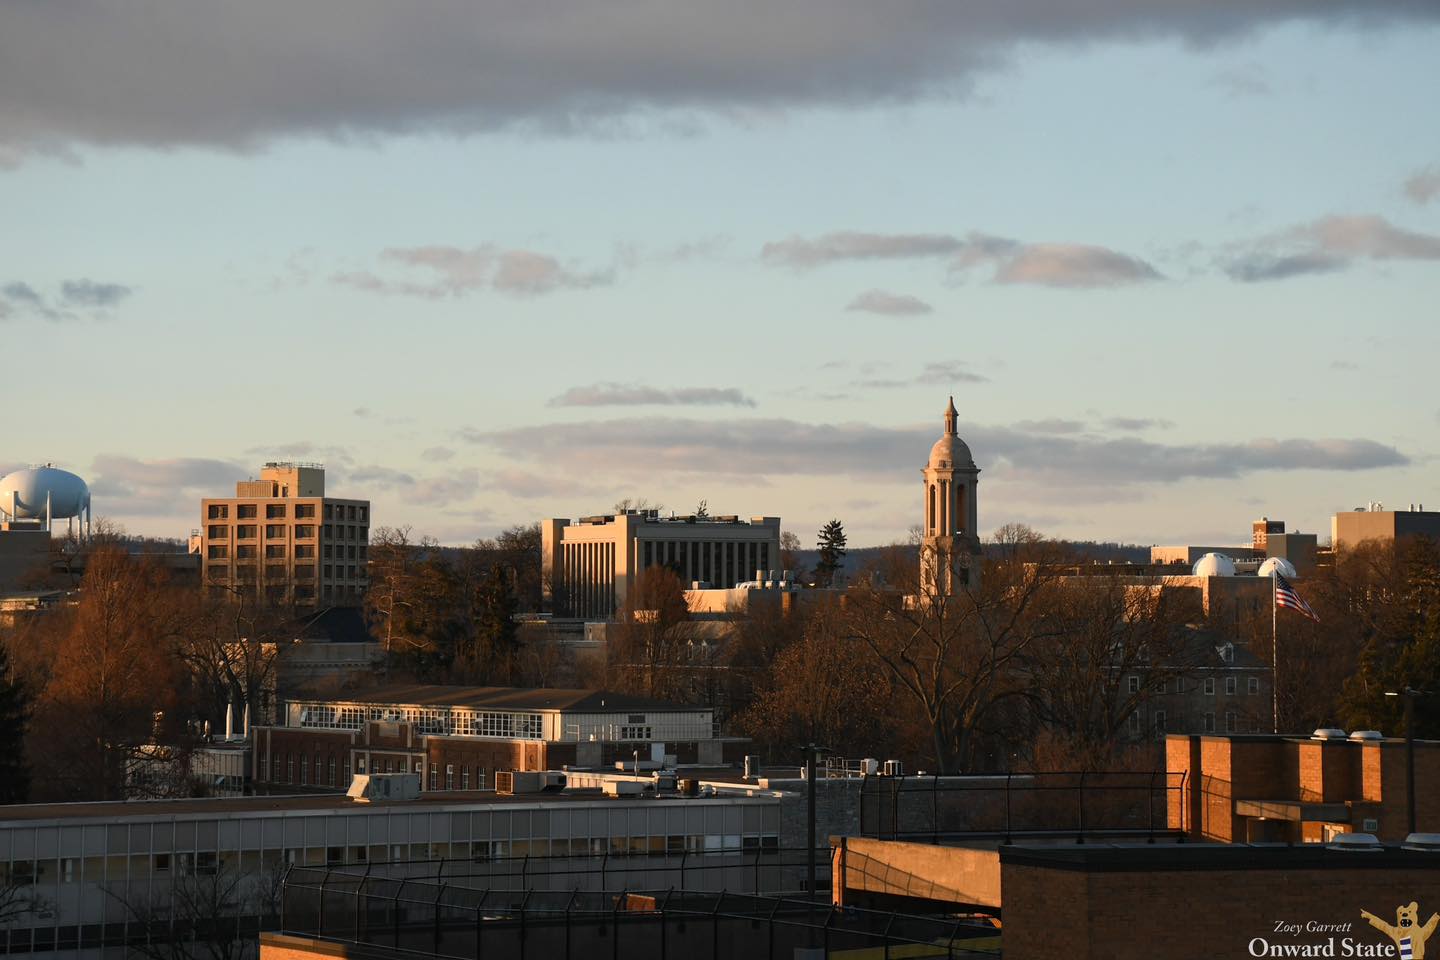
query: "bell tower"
950, 550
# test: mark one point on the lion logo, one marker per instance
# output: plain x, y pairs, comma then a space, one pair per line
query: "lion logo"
1409, 938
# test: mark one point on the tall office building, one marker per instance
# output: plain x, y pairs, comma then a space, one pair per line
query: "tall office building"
281, 540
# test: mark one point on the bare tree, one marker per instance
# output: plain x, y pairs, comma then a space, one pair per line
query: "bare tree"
649, 641
198, 917
956, 657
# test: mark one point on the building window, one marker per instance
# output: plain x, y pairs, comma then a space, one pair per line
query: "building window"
1252, 686
305, 551
1229, 721
1135, 723
218, 511
275, 551
449, 776
305, 531
245, 552
1160, 723
1230, 686
465, 778
304, 511
245, 511
218, 531
1209, 723
1209, 686
274, 511
246, 531
1134, 684
218, 551
434, 777
274, 531
160, 863
330, 772
304, 768
289, 768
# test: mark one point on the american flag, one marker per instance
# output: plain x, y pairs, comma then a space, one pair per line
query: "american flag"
1285, 596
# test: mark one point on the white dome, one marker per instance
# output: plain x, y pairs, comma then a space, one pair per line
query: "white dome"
1277, 565
26, 490
1214, 565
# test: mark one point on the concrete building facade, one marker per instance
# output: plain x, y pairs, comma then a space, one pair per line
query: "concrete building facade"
281, 540
1349, 530
590, 565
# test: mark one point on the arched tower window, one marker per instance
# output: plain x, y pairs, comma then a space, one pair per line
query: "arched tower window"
932, 508
961, 514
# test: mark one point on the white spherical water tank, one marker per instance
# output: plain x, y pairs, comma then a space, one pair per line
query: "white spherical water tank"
23, 494
1277, 565
1214, 565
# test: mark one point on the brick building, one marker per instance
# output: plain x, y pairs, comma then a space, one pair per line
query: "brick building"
456, 738
1292, 789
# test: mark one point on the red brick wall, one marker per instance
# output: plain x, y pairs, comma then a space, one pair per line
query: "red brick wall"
1206, 914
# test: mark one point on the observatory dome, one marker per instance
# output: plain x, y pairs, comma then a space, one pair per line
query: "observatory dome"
1214, 565
1276, 565
25, 491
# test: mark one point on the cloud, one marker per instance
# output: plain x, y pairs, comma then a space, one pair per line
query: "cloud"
1072, 265
1424, 185
456, 272
76, 300
440, 490
635, 395
88, 293
761, 447
800, 253
1137, 424
1259, 266
352, 69
364, 413
1051, 425
1327, 245
951, 371
528, 485
891, 304
128, 486
437, 454
1245, 80
1042, 264
1343, 365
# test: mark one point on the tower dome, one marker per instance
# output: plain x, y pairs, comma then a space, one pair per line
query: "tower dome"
1280, 565
950, 451
1214, 565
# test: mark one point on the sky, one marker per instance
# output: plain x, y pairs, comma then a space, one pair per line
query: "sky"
1178, 264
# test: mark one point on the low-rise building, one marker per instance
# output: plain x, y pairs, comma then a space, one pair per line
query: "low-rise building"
457, 738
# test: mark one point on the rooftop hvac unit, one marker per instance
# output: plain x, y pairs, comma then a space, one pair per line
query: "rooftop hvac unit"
869, 767
894, 768
372, 787
623, 788
512, 782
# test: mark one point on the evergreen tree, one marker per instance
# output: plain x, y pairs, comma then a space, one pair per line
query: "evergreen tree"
14, 715
832, 551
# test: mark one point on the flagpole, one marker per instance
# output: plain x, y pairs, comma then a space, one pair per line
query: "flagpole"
1274, 655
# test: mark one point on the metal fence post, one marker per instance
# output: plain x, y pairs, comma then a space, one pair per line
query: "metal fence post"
1080, 810
320, 913
1150, 802
359, 891
935, 809
395, 913
1008, 777
439, 892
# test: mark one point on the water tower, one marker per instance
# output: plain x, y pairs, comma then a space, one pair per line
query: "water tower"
44, 494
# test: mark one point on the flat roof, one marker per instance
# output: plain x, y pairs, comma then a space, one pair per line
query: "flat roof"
1140, 856
505, 698
327, 803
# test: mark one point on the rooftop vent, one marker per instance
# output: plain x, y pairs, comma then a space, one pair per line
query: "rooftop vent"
1361, 736
1424, 842
1361, 842
368, 788
1328, 733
